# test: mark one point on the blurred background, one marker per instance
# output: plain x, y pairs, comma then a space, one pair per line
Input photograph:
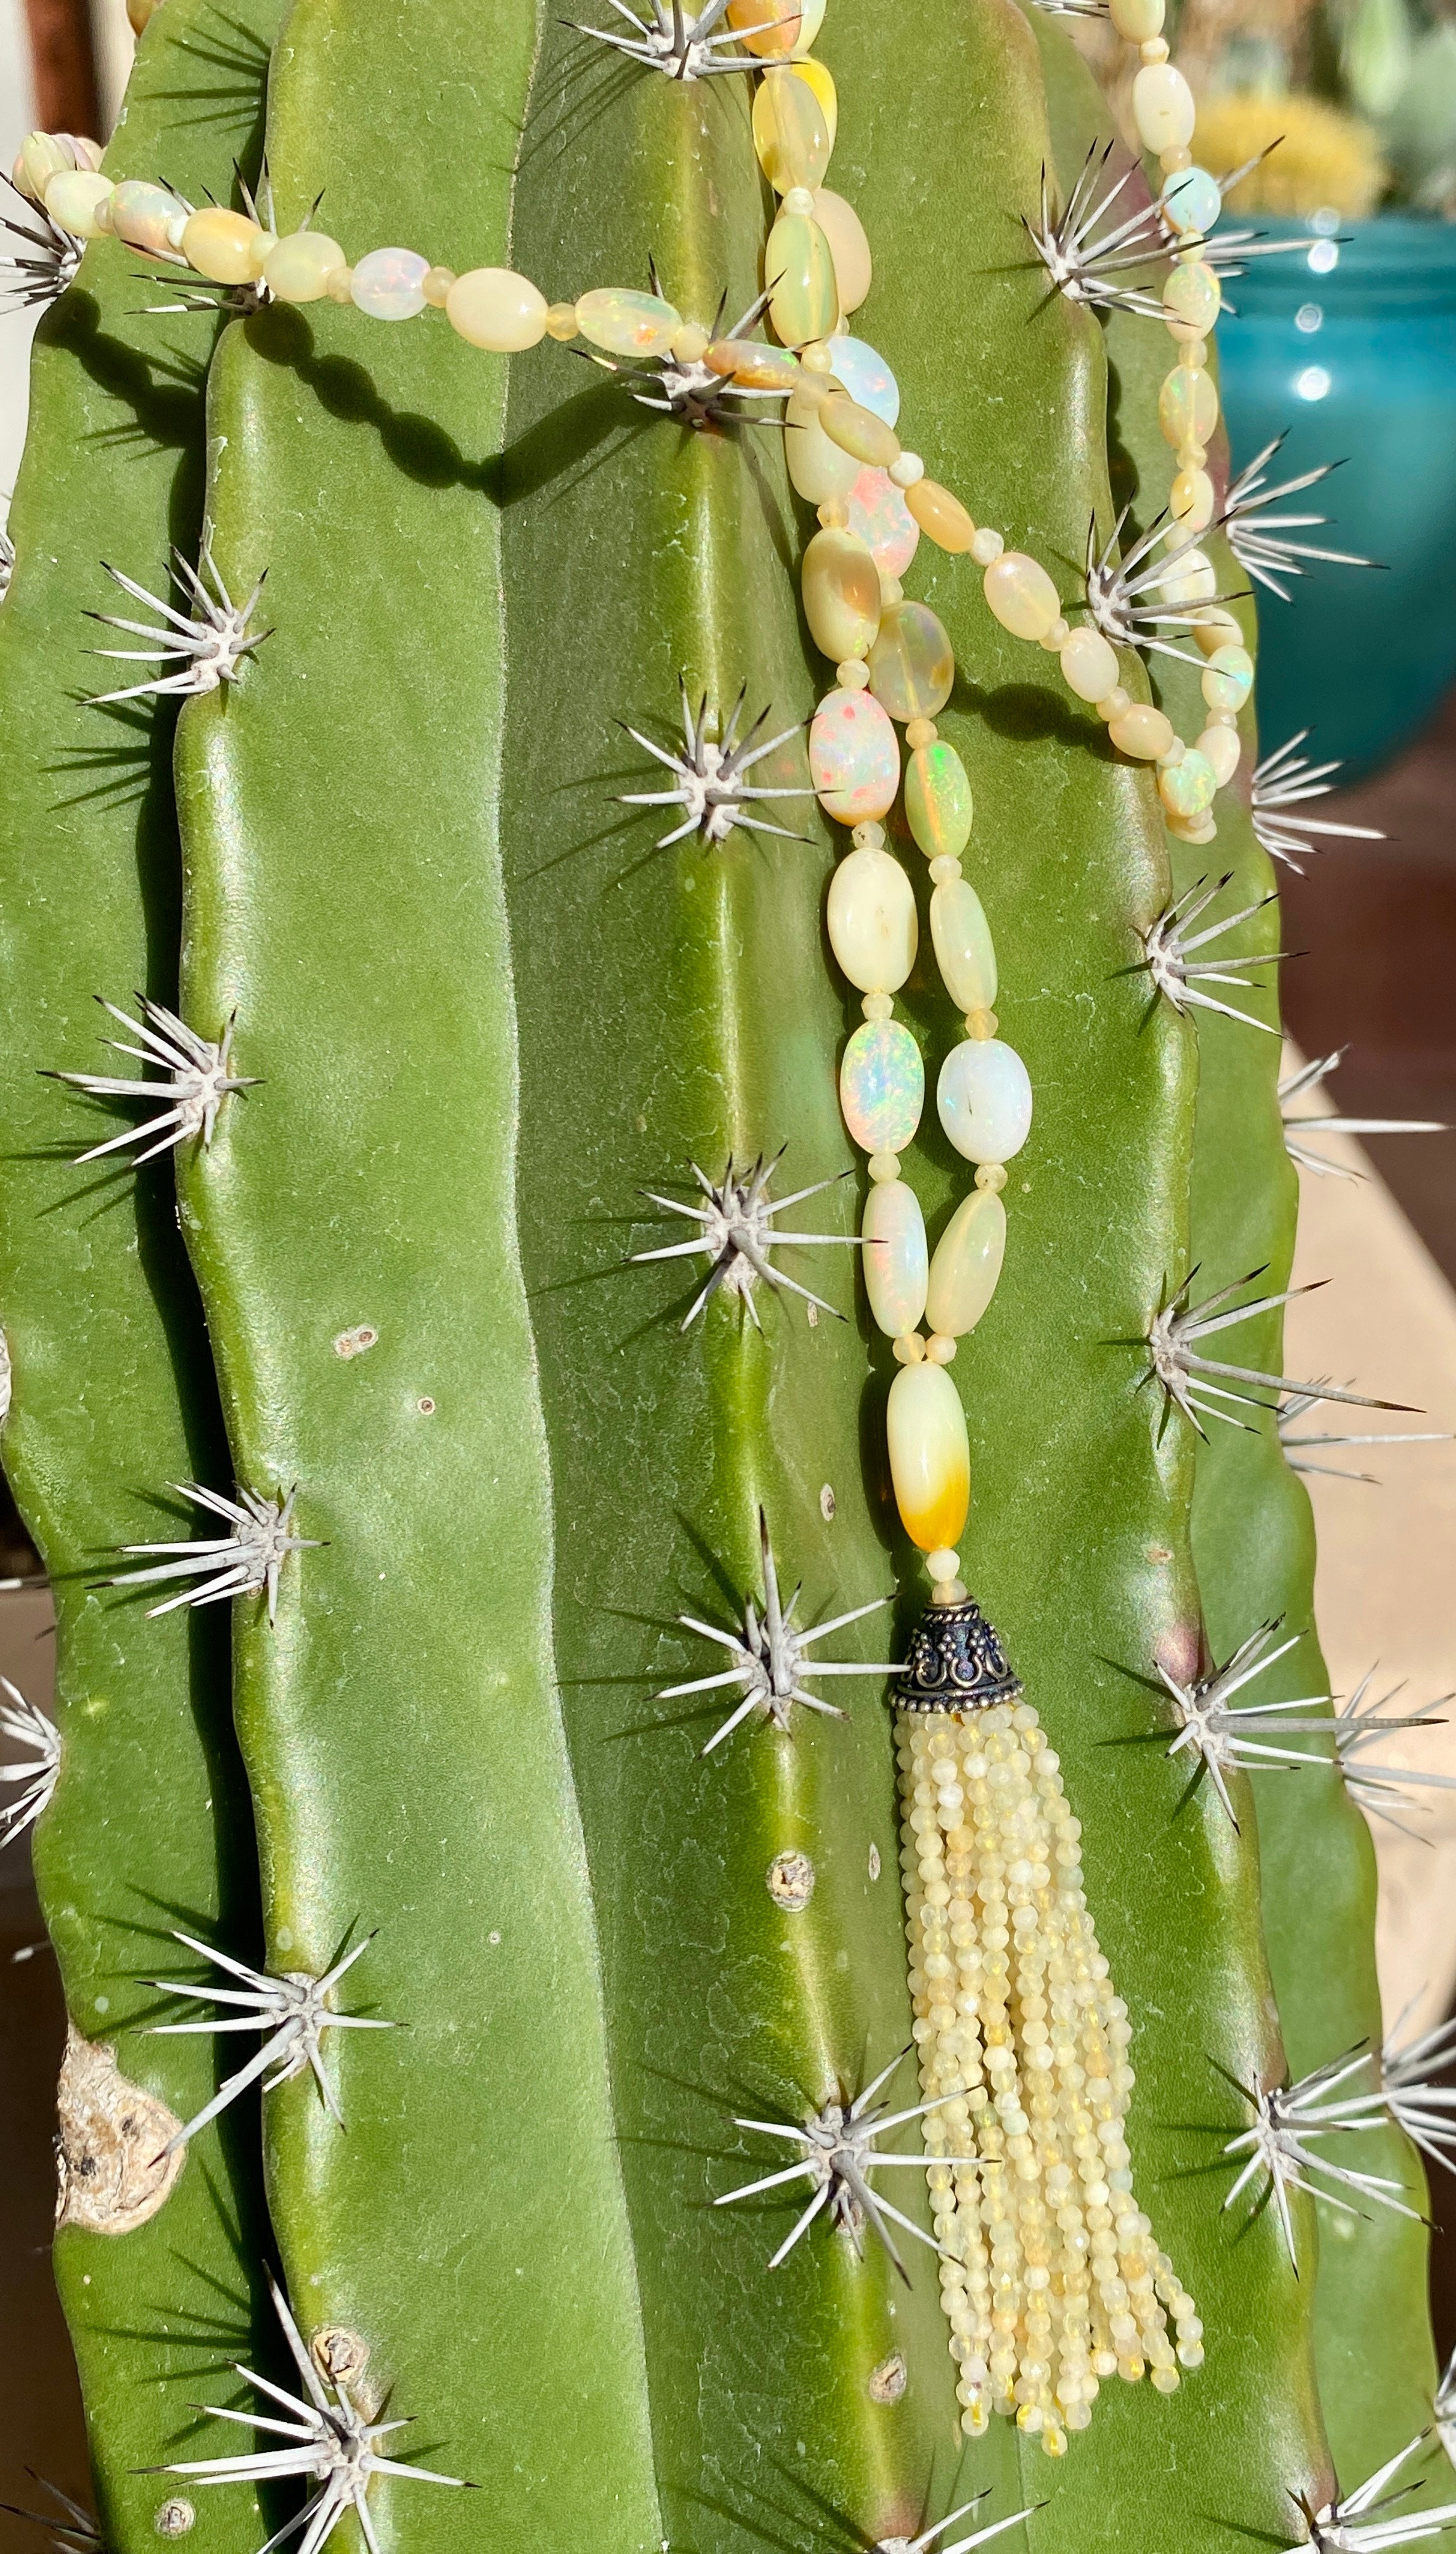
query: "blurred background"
1346, 346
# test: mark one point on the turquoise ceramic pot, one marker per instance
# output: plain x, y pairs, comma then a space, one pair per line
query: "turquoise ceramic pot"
1352, 346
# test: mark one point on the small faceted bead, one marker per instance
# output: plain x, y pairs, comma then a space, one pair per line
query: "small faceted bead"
339, 284
1186, 788
75, 197
1192, 829
1113, 704
859, 432
991, 1176
882, 1087
1188, 407
984, 1099
1220, 749
841, 594
1163, 107
848, 248
896, 1257
986, 545
853, 676
799, 278
883, 1166
820, 471
944, 870
1055, 639
966, 1268
1192, 201
1155, 49
853, 757
1192, 298
791, 132
941, 1351
891, 590
912, 665
877, 1007
981, 1024
873, 927
907, 471
1192, 501
964, 950
1137, 20
437, 286
919, 731
767, 27
939, 806
909, 1348
1228, 678
1215, 628
562, 323
930, 1455
298, 268
228, 249
491, 306
627, 323
941, 518
1088, 665
1142, 732
1022, 595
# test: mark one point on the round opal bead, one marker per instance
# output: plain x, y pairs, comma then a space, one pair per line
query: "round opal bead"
818, 468
1088, 665
1192, 578
841, 594
912, 665
873, 927
767, 27
1192, 298
791, 132
1188, 407
896, 1257
75, 196
849, 246
141, 213
859, 432
942, 516
799, 278
298, 268
1163, 107
492, 307
853, 759
930, 1455
938, 802
880, 515
866, 377
882, 1087
627, 323
964, 951
1188, 788
966, 1268
388, 283
1191, 200
1228, 678
1022, 595
225, 246
984, 1099
1142, 732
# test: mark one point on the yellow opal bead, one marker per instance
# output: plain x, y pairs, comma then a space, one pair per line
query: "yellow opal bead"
860, 431
1188, 407
872, 924
790, 132
1192, 298
140, 213
562, 323
73, 198
1186, 788
941, 518
42, 156
964, 950
1220, 749
939, 806
225, 247
849, 246
966, 1267
1088, 665
627, 323
298, 268
1142, 732
822, 80
912, 665
436, 285
930, 1455
1215, 628
1192, 577
799, 278
492, 307
1163, 107
841, 594
1192, 501
1022, 595
820, 471
768, 27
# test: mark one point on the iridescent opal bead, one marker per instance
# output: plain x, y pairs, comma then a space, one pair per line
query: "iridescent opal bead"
873, 927
139, 213
853, 759
758, 368
791, 132
849, 246
1163, 107
1192, 298
896, 1257
859, 432
964, 953
880, 515
930, 1455
866, 377
494, 308
1022, 595
225, 247
841, 594
938, 802
1088, 665
1188, 407
912, 665
818, 468
767, 27
883, 1086
1220, 749
984, 1099
627, 323
941, 516
799, 279
298, 268
73, 198
1191, 200
1228, 678
966, 1268
389, 283
1188, 788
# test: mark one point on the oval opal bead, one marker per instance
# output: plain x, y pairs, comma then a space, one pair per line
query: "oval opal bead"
790, 132
842, 595
1220, 749
896, 1257
141, 213
1192, 201
811, 19
822, 80
853, 759
912, 665
849, 246
880, 515
1188, 407
1022, 595
1142, 732
938, 802
1192, 578
941, 516
930, 1455
388, 283
866, 377
1088, 665
1137, 21
1188, 788
1192, 298
298, 268
1163, 107
883, 1086
799, 279
767, 27
1228, 678
75, 196
1215, 628
758, 367
1192, 501
873, 927
984, 1099
42, 156
965, 953
492, 307
818, 468
225, 246
627, 323
966, 1268
860, 431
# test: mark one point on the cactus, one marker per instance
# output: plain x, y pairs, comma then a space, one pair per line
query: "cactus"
588, 2170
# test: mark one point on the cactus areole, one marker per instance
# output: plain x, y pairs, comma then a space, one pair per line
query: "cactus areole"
640, 701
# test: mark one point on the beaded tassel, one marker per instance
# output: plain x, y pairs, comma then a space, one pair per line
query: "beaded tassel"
1050, 2277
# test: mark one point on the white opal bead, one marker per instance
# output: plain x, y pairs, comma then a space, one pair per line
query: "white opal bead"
984, 1099
930, 1455
1088, 665
882, 1087
388, 283
853, 757
873, 927
1163, 107
73, 197
966, 1267
964, 950
866, 377
896, 1257
494, 308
